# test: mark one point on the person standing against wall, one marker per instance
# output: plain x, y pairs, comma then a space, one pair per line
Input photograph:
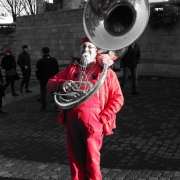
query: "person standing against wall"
129, 64
25, 63
46, 68
9, 64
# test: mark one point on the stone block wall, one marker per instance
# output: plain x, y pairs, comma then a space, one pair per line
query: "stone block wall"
61, 32
160, 52
7, 41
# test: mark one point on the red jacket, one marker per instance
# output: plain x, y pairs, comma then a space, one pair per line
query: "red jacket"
110, 94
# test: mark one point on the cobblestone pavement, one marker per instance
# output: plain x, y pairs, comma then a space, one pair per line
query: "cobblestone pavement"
144, 146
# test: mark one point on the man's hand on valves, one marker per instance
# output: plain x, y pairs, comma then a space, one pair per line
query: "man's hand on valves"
104, 59
67, 86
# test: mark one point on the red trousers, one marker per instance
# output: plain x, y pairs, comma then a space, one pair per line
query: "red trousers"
84, 140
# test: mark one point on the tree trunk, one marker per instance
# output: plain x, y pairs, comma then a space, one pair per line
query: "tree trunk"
14, 18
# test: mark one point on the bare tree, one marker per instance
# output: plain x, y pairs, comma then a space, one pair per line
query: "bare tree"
19, 7
14, 7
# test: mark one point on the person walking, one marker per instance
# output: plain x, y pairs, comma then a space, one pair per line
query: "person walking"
1, 93
87, 123
129, 64
9, 64
25, 63
46, 68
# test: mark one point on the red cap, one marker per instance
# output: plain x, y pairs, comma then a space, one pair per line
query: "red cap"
8, 51
85, 39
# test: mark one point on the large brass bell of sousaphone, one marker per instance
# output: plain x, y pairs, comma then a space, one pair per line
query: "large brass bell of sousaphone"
115, 24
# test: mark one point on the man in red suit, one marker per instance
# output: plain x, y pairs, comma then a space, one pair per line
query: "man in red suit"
87, 123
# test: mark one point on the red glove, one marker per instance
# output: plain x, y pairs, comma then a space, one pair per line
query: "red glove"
104, 58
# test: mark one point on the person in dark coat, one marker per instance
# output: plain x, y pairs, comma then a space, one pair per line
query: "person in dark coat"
1, 93
9, 64
129, 64
46, 68
25, 63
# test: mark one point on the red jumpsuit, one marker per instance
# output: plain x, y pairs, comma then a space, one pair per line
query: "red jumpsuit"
86, 124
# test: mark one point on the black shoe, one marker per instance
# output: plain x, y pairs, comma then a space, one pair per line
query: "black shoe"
28, 91
15, 94
136, 93
2, 112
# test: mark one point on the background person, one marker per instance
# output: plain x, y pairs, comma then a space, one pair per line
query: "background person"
86, 124
129, 64
46, 68
9, 64
1, 93
25, 63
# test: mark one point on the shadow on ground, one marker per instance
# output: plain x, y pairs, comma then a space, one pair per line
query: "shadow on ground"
147, 134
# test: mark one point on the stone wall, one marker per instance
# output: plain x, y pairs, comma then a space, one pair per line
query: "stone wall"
62, 31
160, 52
7, 41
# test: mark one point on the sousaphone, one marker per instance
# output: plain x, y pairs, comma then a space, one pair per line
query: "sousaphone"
115, 24
110, 25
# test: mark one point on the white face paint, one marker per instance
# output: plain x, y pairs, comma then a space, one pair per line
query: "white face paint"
89, 52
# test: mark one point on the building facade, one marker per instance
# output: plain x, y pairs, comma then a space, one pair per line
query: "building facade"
44, 6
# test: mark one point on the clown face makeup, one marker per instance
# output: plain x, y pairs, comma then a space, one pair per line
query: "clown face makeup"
89, 52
